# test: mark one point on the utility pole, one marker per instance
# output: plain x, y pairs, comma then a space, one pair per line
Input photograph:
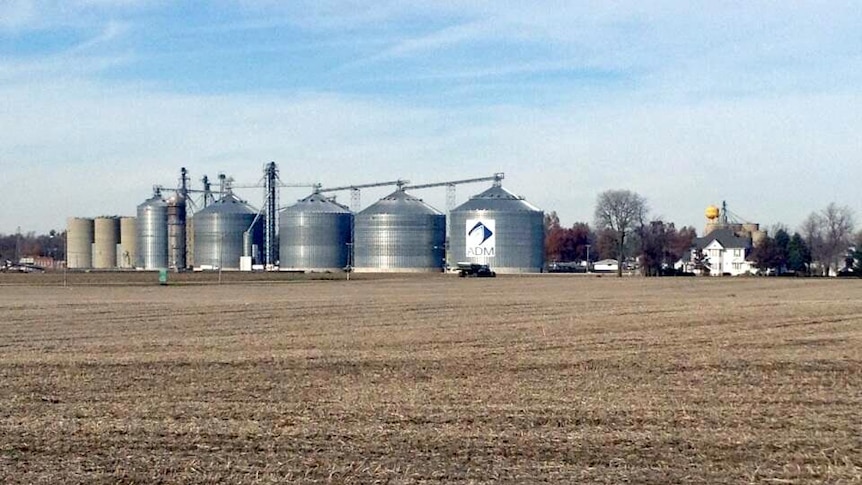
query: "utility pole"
18, 246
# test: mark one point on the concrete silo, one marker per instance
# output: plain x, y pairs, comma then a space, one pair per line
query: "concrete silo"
106, 238
314, 235
80, 235
219, 231
500, 229
127, 256
399, 233
152, 229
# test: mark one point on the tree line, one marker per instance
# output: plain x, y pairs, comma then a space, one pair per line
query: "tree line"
824, 244
15, 246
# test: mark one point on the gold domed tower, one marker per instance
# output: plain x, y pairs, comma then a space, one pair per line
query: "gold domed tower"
712, 214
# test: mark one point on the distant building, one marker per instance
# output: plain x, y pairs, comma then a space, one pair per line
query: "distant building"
606, 266
723, 252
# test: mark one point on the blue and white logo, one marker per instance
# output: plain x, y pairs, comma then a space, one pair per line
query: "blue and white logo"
481, 238
485, 233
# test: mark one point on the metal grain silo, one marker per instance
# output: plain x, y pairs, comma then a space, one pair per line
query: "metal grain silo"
79, 243
128, 253
177, 232
314, 235
190, 241
500, 229
106, 238
399, 233
218, 233
153, 233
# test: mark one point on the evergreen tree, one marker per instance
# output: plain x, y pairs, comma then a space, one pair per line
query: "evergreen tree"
798, 254
857, 264
782, 245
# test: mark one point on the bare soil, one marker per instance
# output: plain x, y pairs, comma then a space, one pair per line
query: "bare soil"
436, 379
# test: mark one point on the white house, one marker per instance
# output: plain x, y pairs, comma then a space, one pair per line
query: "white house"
606, 266
724, 253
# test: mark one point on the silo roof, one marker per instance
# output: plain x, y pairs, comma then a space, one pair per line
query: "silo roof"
400, 202
228, 204
497, 198
318, 202
155, 200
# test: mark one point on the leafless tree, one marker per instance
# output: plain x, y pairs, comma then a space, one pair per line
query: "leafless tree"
622, 212
828, 233
812, 232
779, 226
837, 233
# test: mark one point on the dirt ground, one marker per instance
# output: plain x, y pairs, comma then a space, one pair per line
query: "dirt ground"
437, 379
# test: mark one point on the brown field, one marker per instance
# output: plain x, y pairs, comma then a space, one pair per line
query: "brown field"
430, 380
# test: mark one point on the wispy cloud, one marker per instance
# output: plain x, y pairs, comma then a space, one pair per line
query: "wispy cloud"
443, 38
58, 68
110, 32
81, 59
16, 14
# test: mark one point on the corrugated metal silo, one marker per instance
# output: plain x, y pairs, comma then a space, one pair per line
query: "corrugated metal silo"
314, 235
153, 234
399, 233
218, 233
177, 232
106, 238
190, 241
500, 229
79, 243
128, 254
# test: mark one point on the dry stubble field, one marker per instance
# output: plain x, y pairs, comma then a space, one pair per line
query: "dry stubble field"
433, 380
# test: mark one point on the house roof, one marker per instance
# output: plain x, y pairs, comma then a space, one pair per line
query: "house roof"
725, 237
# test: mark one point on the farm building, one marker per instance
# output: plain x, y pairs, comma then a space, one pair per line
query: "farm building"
605, 266
724, 252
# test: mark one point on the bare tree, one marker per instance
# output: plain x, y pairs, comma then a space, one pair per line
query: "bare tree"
837, 233
812, 233
828, 234
622, 212
779, 226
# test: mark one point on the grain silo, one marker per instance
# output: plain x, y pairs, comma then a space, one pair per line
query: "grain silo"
752, 230
500, 229
219, 230
79, 243
106, 238
399, 233
153, 233
176, 214
315, 235
127, 256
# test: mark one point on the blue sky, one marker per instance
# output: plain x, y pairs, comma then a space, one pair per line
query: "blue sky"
687, 103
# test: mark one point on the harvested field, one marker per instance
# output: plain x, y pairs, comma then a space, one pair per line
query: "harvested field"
431, 380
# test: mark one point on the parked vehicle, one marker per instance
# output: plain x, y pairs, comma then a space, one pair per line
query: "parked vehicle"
475, 270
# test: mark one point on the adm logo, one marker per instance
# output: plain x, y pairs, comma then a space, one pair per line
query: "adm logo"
481, 238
